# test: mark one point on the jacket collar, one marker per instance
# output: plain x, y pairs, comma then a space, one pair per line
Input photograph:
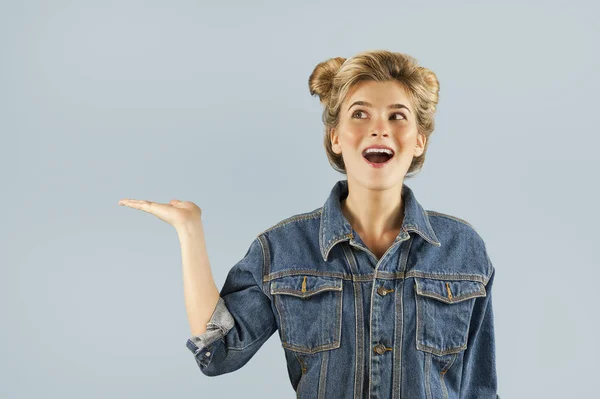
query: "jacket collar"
334, 226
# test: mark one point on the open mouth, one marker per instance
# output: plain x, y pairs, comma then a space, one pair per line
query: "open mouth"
378, 159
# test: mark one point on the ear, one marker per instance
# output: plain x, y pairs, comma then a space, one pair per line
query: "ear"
335, 142
420, 146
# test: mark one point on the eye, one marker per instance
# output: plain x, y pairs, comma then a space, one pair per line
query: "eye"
356, 112
396, 113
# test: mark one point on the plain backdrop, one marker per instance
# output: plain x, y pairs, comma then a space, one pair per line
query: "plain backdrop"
209, 102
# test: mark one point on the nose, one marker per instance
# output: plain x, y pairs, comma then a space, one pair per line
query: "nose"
380, 128
376, 133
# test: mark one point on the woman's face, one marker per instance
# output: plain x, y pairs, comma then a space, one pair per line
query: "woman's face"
363, 125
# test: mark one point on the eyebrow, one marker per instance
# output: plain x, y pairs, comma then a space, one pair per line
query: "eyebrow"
366, 104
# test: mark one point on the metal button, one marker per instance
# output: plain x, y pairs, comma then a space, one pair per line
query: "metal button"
207, 354
380, 349
382, 291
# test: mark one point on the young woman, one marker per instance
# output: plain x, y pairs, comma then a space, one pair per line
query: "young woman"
372, 296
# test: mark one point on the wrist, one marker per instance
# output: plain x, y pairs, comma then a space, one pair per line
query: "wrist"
190, 228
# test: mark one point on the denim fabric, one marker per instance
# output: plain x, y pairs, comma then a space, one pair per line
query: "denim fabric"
417, 323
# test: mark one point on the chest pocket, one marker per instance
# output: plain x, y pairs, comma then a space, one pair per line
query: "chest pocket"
444, 309
310, 312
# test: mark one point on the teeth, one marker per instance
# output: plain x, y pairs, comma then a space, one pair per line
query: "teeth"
378, 150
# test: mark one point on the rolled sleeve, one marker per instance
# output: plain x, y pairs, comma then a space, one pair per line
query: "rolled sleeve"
242, 321
218, 326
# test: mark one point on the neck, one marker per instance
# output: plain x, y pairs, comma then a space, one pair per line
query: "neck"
374, 213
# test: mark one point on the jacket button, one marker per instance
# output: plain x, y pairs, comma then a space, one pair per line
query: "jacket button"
382, 291
380, 349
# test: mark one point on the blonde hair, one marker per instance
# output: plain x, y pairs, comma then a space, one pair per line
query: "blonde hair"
332, 79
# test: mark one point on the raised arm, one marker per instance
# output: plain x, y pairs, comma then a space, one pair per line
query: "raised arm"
200, 291
229, 327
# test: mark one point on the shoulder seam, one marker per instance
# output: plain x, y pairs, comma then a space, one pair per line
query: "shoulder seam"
303, 216
436, 213
266, 261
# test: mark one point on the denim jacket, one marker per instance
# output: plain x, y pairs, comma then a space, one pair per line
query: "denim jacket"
417, 323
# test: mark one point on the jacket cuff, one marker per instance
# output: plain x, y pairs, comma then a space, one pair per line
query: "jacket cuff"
221, 321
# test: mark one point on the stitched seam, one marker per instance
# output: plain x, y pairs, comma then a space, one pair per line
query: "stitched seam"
436, 213
443, 373
418, 327
293, 292
376, 276
305, 216
264, 245
380, 275
435, 351
445, 276
427, 375
454, 299
323, 376
308, 272
302, 373
399, 322
281, 321
358, 325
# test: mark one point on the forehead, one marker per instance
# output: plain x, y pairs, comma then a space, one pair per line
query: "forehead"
380, 94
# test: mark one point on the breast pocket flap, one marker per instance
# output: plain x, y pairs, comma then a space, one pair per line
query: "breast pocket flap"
449, 291
305, 286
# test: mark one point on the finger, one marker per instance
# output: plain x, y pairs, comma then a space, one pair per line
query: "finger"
137, 204
154, 208
126, 201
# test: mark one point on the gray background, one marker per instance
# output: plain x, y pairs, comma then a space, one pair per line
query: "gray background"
209, 103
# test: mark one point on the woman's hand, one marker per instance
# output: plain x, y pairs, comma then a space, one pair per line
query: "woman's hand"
179, 214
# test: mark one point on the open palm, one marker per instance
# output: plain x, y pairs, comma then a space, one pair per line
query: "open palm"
176, 213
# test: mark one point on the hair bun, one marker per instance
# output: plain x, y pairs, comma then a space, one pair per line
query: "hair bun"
320, 81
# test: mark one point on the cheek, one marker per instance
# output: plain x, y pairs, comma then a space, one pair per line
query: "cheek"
407, 139
354, 135
407, 146
406, 154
